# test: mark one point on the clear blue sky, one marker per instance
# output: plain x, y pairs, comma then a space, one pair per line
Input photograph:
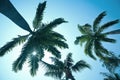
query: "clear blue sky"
74, 11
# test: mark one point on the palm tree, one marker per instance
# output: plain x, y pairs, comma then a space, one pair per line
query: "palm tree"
7, 9
114, 76
63, 69
94, 35
111, 62
40, 39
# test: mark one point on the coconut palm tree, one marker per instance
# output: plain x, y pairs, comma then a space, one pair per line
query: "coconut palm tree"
63, 69
7, 9
114, 76
111, 62
42, 38
94, 35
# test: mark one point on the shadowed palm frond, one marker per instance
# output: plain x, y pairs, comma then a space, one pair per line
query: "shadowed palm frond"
55, 74
53, 24
68, 61
80, 65
81, 39
26, 50
107, 25
88, 49
108, 40
111, 62
113, 32
111, 76
10, 45
98, 20
54, 51
33, 64
39, 15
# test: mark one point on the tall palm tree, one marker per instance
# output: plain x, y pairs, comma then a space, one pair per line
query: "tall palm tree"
94, 35
114, 76
63, 69
7, 9
42, 38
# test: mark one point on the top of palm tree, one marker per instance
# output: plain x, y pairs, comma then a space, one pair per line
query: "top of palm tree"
94, 35
42, 38
60, 69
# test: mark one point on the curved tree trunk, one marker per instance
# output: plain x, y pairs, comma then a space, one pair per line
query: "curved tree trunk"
7, 9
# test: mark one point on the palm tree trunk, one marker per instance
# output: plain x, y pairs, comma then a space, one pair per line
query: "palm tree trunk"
7, 9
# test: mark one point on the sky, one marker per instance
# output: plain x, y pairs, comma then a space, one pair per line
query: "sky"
75, 12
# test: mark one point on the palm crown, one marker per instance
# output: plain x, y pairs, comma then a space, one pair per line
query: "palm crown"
94, 35
41, 38
60, 69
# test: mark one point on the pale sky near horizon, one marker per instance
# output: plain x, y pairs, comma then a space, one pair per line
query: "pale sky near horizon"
75, 12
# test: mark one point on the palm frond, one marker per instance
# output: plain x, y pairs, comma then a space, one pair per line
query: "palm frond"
108, 40
33, 64
107, 25
98, 20
26, 50
88, 49
54, 51
57, 62
81, 29
39, 15
55, 74
68, 61
80, 65
10, 45
54, 24
113, 32
57, 35
81, 39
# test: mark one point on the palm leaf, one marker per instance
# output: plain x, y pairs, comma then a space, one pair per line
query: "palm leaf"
81, 39
54, 51
39, 15
33, 64
53, 24
10, 45
98, 20
57, 62
26, 50
88, 49
55, 74
69, 61
107, 25
80, 65
108, 40
113, 32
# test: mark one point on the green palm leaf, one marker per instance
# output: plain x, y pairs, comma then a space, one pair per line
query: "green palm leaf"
10, 45
39, 15
26, 50
108, 40
88, 49
81, 39
107, 25
54, 51
53, 24
98, 20
113, 32
55, 74
80, 65
33, 64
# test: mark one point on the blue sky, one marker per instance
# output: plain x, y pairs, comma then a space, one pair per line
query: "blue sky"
75, 12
